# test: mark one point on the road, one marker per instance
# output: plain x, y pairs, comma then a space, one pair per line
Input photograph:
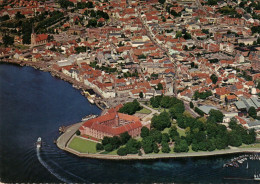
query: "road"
161, 47
65, 137
149, 116
191, 111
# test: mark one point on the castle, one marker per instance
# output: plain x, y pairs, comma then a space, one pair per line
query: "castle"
112, 124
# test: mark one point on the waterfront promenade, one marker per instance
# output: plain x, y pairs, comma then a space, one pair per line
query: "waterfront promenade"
65, 138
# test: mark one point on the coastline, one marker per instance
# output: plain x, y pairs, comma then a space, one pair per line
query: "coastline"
65, 138
46, 68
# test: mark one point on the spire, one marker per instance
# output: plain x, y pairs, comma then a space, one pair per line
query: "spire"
32, 29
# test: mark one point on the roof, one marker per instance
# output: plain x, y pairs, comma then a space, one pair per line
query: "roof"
255, 100
240, 105
207, 108
99, 123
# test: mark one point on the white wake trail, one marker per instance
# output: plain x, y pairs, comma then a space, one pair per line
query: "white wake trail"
49, 168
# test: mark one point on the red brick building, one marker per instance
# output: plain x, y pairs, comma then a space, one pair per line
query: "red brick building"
112, 124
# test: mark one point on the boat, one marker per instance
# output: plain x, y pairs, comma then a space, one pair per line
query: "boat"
257, 177
247, 165
88, 117
39, 142
91, 100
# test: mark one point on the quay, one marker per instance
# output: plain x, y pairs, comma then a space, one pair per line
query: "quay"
64, 139
100, 101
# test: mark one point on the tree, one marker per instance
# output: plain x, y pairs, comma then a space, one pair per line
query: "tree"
130, 107
108, 147
124, 137
161, 121
147, 144
145, 132
18, 15
252, 112
161, 1
165, 137
159, 86
155, 148
218, 115
115, 142
191, 105
8, 40
173, 133
235, 139
178, 34
106, 140
156, 135
99, 147
122, 151
65, 3
214, 78
141, 95
92, 23
77, 132
133, 146
181, 146
165, 147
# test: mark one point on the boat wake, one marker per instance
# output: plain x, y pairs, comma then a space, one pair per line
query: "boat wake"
49, 168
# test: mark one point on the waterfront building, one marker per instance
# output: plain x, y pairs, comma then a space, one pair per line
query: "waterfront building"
112, 124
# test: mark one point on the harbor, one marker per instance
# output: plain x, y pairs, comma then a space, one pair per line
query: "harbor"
238, 161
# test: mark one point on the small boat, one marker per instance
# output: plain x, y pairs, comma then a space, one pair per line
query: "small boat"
247, 165
91, 100
39, 142
257, 177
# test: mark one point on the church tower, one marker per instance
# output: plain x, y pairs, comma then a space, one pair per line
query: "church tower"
33, 38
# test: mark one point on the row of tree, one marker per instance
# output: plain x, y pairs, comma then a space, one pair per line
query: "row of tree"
203, 95
130, 107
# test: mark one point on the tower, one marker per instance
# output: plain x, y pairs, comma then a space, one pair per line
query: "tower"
33, 37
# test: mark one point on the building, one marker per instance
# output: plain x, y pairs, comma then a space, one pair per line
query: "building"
112, 124
40, 39
75, 31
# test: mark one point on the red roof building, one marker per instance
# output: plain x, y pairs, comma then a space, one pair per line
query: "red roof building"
112, 124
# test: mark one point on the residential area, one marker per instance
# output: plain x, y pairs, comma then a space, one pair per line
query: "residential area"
204, 53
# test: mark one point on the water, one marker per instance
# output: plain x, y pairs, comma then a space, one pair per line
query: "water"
34, 104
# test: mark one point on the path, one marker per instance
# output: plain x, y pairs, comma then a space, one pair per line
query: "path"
65, 137
149, 116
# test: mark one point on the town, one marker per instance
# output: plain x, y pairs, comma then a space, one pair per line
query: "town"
177, 75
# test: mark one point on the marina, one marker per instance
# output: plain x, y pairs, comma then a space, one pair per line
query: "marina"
241, 159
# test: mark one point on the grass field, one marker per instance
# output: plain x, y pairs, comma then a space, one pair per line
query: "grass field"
257, 145
82, 145
144, 111
180, 131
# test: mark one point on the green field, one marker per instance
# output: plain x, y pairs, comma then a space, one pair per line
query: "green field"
83, 145
144, 111
256, 145
180, 131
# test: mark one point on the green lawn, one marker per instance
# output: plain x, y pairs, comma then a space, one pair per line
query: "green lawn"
181, 132
83, 145
144, 111
257, 145
166, 130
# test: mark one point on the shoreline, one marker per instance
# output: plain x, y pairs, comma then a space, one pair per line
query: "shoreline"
56, 74
62, 142
66, 137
